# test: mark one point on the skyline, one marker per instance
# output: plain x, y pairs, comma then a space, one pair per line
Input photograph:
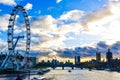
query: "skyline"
59, 24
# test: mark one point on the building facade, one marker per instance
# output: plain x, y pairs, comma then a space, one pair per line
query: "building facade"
77, 60
98, 56
109, 56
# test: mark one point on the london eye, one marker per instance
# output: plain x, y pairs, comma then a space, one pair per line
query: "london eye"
13, 40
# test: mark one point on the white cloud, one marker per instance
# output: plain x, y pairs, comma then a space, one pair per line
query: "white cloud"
105, 23
17, 31
45, 29
58, 1
51, 43
113, 0
44, 23
72, 27
4, 19
72, 15
49, 34
8, 2
28, 6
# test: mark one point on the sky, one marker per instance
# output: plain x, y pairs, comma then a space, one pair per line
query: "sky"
61, 24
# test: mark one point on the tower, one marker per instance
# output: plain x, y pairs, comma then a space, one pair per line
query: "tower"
98, 56
75, 60
78, 59
109, 56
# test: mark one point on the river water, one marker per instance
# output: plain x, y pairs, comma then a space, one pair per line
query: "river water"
78, 74
83, 75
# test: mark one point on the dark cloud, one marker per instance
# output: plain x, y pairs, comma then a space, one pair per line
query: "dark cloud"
83, 51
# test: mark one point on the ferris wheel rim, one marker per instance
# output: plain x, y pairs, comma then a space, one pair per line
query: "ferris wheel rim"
11, 29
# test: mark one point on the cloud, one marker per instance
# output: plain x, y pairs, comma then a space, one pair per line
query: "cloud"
8, 2
71, 27
44, 29
53, 42
4, 21
89, 51
51, 32
104, 22
44, 23
28, 6
103, 15
72, 15
86, 51
58, 1
113, 0
100, 23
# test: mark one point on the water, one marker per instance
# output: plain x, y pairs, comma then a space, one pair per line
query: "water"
83, 75
78, 74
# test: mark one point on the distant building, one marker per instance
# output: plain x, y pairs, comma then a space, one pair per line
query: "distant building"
55, 62
98, 56
77, 60
109, 56
68, 63
33, 61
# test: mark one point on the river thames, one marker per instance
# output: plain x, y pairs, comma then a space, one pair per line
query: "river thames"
77, 74
83, 75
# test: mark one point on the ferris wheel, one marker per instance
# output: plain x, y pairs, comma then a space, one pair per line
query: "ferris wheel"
13, 40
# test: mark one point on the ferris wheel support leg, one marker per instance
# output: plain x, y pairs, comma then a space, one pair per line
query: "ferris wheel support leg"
4, 62
18, 67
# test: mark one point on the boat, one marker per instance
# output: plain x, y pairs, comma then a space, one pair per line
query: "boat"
40, 73
69, 70
40, 78
90, 69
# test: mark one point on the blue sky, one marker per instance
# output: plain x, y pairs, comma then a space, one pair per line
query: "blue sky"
53, 8
65, 23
